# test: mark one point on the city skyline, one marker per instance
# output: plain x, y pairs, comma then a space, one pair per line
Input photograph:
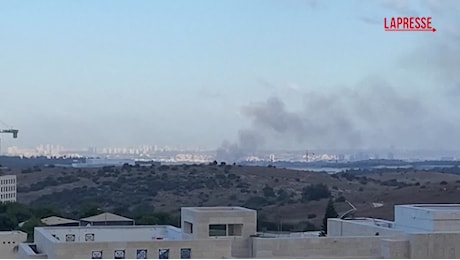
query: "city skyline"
257, 74
197, 155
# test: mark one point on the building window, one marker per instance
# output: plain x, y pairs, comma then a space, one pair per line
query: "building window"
89, 237
163, 253
119, 254
235, 229
70, 238
96, 255
217, 230
188, 227
141, 254
185, 253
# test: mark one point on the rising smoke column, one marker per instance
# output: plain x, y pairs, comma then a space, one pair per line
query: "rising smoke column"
373, 113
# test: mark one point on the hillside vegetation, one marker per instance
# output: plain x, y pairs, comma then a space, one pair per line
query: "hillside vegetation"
285, 199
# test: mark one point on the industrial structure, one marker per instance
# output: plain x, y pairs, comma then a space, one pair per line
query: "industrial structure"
8, 130
418, 231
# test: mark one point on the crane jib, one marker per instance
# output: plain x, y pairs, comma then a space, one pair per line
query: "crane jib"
11, 131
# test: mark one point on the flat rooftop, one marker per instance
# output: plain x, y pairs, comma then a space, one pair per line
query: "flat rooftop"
438, 207
217, 209
288, 234
372, 222
110, 233
7, 233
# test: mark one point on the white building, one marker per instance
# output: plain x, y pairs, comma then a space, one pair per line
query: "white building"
419, 231
9, 242
206, 233
8, 188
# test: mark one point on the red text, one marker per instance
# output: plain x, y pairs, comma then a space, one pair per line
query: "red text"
407, 23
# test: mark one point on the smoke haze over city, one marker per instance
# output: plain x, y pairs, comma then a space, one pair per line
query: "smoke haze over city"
239, 75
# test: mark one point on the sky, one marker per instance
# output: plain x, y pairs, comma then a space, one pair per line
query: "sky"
234, 74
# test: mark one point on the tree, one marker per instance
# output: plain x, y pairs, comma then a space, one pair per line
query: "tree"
29, 227
6, 223
330, 213
44, 211
17, 212
315, 192
282, 195
89, 209
126, 167
268, 191
147, 220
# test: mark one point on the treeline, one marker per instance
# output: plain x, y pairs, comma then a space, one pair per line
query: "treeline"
23, 162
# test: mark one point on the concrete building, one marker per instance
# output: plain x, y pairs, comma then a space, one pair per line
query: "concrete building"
220, 232
8, 188
9, 242
419, 231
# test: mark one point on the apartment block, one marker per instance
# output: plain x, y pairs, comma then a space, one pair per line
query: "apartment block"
8, 188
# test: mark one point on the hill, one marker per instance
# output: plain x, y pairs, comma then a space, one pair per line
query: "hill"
293, 199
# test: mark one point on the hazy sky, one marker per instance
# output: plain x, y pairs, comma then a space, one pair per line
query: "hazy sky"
272, 73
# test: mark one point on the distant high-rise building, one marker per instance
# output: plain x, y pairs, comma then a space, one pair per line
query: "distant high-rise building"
8, 188
92, 150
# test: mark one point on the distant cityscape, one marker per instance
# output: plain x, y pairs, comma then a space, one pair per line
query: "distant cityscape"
169, 154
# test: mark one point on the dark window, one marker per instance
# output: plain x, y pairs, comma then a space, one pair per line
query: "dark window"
70, 238
163, 253
89, 237
188, 227
141, 254
235, 229
96, 255
119, 254
185, 253
217, 230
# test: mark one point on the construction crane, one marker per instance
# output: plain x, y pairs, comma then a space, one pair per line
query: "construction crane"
10, 130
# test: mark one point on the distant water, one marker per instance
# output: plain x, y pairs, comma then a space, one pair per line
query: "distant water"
332, 170
329, 170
